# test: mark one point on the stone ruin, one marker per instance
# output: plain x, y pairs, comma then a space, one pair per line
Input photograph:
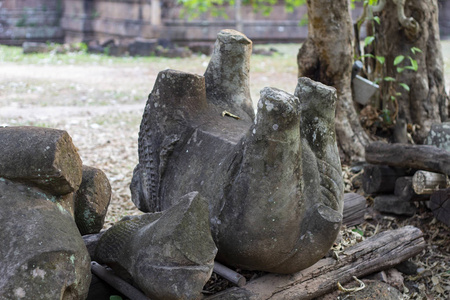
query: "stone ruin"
273, 182
47, 199
257, 192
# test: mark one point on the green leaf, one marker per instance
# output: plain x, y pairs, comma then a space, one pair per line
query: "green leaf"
115, 297
415, 49
377, 19
368, 55
414, 64
399, 70
404, 85
381, 59
358, 231
388, 78
368, 40
398, 59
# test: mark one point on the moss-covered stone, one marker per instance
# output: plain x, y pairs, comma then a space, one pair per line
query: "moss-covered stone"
42, 254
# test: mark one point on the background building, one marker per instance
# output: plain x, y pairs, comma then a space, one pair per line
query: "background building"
128, 20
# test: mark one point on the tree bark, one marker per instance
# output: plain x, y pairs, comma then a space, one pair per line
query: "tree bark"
379, 252
354, 209
327, 56
421, 157
397, 34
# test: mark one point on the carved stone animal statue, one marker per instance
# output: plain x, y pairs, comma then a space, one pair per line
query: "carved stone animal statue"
273, 183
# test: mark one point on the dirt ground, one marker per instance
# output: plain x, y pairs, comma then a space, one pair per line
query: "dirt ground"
99, 101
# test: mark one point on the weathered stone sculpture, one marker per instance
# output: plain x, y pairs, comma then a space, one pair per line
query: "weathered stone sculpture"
167, 255
273, 183
42, 186
92, 201
42, 157
42, 255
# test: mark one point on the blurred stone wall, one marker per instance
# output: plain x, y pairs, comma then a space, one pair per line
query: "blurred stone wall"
36, 20
128, 20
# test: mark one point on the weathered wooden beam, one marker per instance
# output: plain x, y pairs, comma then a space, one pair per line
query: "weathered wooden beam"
404, 190
379, 252
354, 209
421, 157
394, 205
425, 182
380, 178
440, 205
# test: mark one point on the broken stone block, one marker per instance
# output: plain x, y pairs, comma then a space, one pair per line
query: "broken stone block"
42, 157
92, 201
42, 255
394, 205
168, 255
143, 47
274, 184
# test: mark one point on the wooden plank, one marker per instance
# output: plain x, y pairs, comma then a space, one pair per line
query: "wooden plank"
379, 252
421, 157
425, 182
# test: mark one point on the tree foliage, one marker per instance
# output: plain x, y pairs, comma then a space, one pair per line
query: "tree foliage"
195, 8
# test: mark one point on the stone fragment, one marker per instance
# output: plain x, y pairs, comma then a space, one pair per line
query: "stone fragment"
92, 201
274, 183
168, 255
201, 48
227, 76
42, 255
42, 157
439, 136
34, 47
142, 47
394, 205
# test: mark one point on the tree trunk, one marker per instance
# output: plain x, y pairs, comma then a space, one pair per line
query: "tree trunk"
327, 56
403, 27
